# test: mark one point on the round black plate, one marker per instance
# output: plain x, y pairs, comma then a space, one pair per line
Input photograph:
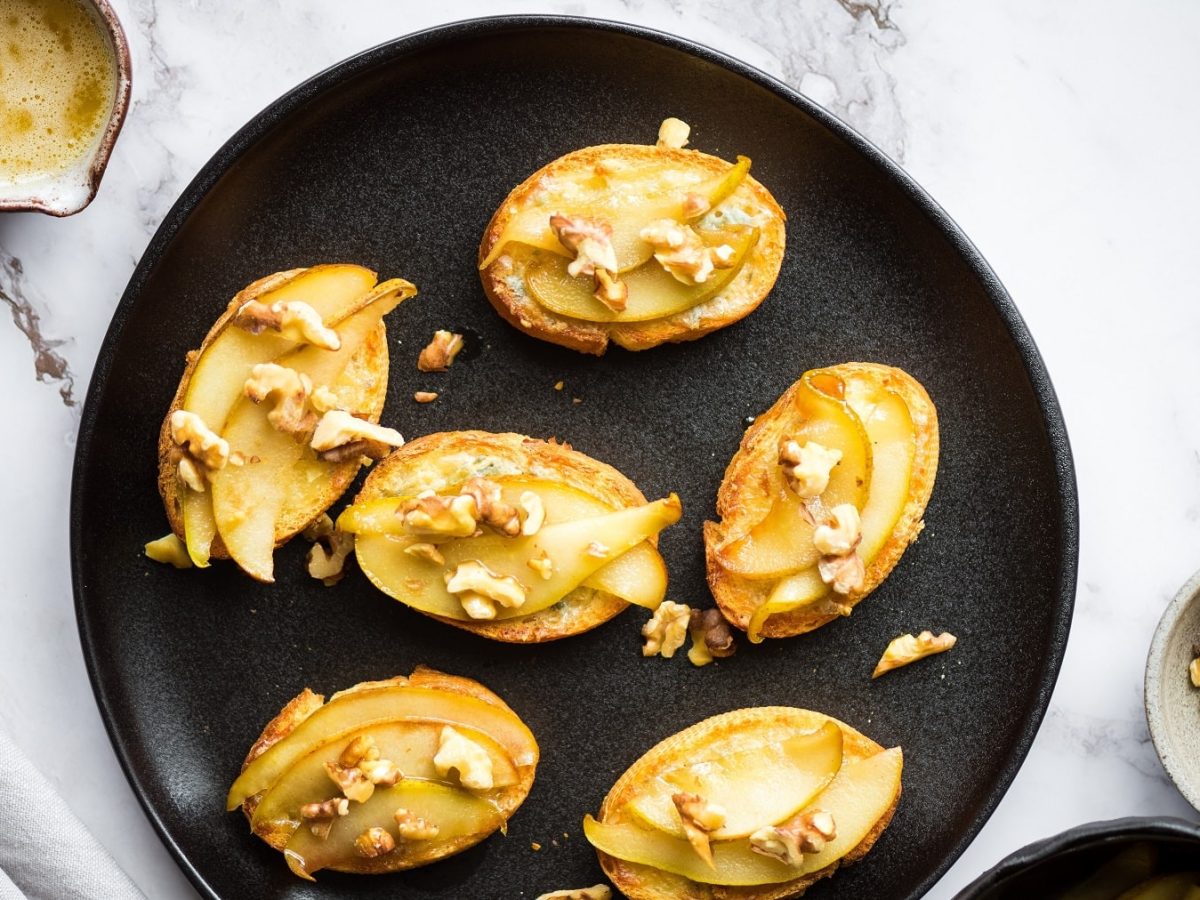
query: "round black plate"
396, 159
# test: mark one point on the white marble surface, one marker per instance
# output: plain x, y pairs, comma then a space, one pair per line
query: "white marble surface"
1060, 135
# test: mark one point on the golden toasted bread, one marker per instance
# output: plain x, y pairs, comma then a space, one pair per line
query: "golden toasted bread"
442, 463
360, 388
506, 799
713, 738
745, 496
504, 268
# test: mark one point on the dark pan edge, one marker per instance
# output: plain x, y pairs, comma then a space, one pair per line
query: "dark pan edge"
285, 105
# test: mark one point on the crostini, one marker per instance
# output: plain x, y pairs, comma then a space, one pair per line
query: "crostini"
513, 538
276, 411
386, 775
826, 492
638, 244
756, 803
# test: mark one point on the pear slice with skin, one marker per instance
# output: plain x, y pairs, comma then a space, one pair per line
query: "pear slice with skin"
638, 576
455, 812
653, 291
628, 202
356, 710
756, 787
577, 549
858, 797
782, 543
889, 426
216, 381
411, 746
247, 499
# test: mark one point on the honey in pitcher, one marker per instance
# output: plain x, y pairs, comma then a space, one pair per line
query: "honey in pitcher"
58, 83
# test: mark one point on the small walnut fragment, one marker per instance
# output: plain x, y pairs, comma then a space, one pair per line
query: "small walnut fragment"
412, 827
711, 637
426, 551
456, 752
479, 589
589, 239
361, 747
673, 133
201, 449
532, 512
542, 564
169, 550
490, 509
351, 781
425, 396
807, 469
789, 842
679, 249
288, 391
339, 437
429, 514
293, 319
908, 649
595, 892
326, 558
375, 842
320, 816
611, 291
700, 818
667, 629
837, 539
439, 353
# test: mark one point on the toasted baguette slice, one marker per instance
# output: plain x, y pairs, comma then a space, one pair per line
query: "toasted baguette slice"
712, 738
442, 462
739, 496
361, 388
750, 204
507, 799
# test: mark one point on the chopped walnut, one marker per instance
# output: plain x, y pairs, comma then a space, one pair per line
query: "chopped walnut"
667, 629
169, 550
598, 550
589, 239
806, 833
340, 436
440, 352
320, 816
471, 581
320, 527
456, 752
595, 892
352, 781
427, 552
374, 842
293, 319
908, 649
841, 533
711, 637
673, 133
427, 513
532, 512
611, 291
413, 828
290, 391
699, 818
356, 751
807, 468
425, 396
203, 449
380, 771
191, 475
843, 573
543, 565
490, 509
679, 249
323, 399
326, 559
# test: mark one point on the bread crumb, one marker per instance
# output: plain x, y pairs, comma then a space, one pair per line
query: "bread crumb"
535, 846
425, 396
576, 400
558, 385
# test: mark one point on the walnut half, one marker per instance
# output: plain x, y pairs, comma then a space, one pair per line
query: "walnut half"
459, 753
339, 436
789, 842
908, 649
595, 892
293, 319
667, 629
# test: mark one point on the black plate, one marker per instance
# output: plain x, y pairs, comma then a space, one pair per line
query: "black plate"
396, 159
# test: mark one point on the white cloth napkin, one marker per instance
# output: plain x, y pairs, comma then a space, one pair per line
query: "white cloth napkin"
46, 853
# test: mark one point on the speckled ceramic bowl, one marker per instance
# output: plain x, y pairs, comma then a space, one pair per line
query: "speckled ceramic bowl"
1172, 703
1049, 866
67, 193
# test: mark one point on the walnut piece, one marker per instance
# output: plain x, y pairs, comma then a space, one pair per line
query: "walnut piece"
667, 629
429, 514
472, 581
611, 291
169, 550
595, 892
326, 559
843, 573
427, 552
807, 468
374, 842
456, 752
908, 649
490, 509
351, 781
413, 828
293, 319
806, 833
440, 352
598, 550
320, 816
673, 133
699, 818
532, 512
289, 390
203, 449
711, 637
542, 564
380, 771
841, 534
589, 239
356, 751
425, 396
680, 250
323, 399
340, 436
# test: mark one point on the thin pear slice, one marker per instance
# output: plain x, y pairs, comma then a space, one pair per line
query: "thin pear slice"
858, 797
569, 545
756, 787
638, 576
893, 437
247, 500
411, 746
627, 201
224, 364
455, 812
653, 291
782, 543
356, 710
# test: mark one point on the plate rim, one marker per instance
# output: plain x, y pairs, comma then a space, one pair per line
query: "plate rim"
260, 124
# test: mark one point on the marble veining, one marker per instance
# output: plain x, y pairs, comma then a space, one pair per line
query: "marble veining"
1061, 140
